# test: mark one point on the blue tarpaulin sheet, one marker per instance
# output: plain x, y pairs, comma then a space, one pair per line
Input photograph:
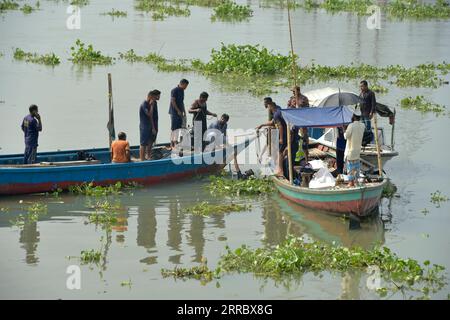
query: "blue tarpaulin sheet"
325, 117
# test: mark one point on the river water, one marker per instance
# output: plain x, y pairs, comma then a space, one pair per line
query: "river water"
153, 231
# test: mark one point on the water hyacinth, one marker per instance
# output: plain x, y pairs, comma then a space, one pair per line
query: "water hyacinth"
419, 103
115, 13
162, 9
231, 11
49, 59
296, 256
220, 185
396, 9
87, 55
206, 209
246, 60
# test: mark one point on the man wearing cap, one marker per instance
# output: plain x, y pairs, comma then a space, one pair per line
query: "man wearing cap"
354, 135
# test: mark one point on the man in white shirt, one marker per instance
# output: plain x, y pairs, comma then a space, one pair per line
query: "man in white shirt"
354, 135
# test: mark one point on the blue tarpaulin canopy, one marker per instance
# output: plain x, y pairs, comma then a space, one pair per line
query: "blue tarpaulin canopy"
325, 117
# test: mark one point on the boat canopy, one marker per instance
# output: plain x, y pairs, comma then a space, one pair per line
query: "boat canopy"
326, 117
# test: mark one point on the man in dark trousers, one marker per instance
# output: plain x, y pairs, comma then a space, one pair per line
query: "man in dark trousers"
176, 109
368, 104
31, 126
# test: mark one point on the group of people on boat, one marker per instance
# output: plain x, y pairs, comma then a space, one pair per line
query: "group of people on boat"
148, 124
349, 141
148, 115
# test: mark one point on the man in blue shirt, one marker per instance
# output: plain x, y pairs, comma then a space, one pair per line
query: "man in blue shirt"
280, 124
221, 124
148, 124
31, 126
176, 109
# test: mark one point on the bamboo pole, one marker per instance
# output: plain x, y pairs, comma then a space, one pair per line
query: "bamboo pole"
109, 105
291, 175
294, 67
380, 167
392, 133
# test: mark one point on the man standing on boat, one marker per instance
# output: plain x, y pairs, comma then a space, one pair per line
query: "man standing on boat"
298, 100
280, 124
367, 105
31, 126
176, 110
148, 124
354, 135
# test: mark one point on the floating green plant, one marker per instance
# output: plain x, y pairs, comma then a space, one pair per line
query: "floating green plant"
296, 256
89, 189
33, 213
231, 11
220, 185
293, 4
206, 209
437, 198
399, 9
244, 59
27, 9
419, 103
389, 190
8, 5
90, 256
127, 283
115, 13
87, 55
79, 3
48, 59
161, 63
162, 9
201, 272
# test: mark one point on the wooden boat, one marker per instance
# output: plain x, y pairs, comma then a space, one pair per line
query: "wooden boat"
359, 200
62, 169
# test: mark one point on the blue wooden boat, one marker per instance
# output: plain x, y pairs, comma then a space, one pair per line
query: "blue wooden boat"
61, 169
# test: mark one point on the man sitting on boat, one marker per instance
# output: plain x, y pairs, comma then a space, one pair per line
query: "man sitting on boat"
31, 126
221, 125
354, 135
120, 149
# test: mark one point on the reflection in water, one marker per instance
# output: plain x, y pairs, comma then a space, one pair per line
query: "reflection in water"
350, 285
175, 227
329, 228
146, 232
121, 226
29, 238
196, 238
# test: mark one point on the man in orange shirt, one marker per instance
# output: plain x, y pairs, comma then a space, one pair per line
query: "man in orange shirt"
120, 149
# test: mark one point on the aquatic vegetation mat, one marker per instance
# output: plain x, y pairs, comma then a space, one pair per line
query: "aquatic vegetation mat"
162, 9
86, 55
396, 9
49, 59
201, 272
220, 185
115, 13
206, 209
296, 256
437, 198
231, 11
33, 213
89, 189
420, 103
